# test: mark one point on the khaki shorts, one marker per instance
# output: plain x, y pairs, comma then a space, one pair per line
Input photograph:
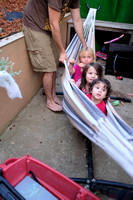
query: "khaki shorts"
42, 50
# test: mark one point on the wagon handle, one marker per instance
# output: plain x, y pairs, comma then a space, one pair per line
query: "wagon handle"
10, 160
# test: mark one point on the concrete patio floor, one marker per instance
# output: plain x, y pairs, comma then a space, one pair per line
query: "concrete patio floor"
50, 138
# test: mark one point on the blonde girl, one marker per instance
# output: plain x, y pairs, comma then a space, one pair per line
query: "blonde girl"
86, 55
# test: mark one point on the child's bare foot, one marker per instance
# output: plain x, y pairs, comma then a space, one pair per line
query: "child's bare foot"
57, 100
54, 107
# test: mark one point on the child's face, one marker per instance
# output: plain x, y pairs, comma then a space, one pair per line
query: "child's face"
91, 74
99, 91
86, 58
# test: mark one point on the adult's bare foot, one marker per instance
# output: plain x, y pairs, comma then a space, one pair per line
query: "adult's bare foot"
57, 100
54, 107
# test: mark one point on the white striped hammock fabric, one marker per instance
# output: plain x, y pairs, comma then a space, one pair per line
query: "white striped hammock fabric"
110, 133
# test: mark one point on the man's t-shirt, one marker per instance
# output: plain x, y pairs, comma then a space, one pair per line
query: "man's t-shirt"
36, 12
101, 106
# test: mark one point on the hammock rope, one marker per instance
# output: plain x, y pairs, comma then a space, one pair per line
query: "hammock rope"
110, 133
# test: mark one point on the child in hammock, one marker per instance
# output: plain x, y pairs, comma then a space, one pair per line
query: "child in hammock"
90, 72
86, 55
100, 90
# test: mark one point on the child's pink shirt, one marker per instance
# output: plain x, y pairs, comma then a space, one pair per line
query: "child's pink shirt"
101, 106
77, 75
83, 89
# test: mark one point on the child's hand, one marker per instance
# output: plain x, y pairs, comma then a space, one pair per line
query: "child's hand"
72, 81
72, 61
81, 65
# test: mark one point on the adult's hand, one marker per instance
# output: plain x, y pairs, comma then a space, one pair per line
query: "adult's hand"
63, 57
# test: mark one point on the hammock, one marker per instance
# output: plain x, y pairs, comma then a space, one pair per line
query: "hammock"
110, 133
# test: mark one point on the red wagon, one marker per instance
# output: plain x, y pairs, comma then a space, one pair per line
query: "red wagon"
28, 178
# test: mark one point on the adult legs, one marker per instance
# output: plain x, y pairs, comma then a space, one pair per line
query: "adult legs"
55, 98
43, 59
49, 88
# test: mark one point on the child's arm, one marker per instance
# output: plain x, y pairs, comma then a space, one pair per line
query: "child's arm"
71, 68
